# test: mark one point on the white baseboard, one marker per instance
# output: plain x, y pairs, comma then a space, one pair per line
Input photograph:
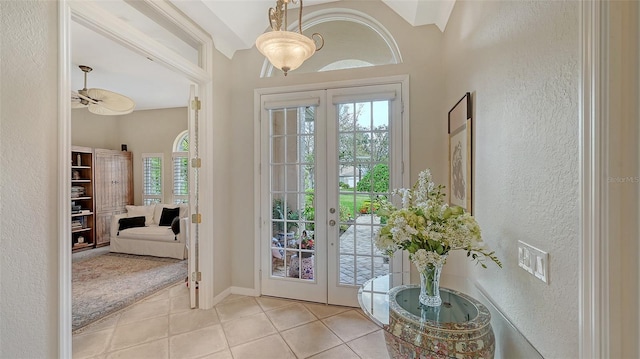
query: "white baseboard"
235, 290
252, 292
220, 297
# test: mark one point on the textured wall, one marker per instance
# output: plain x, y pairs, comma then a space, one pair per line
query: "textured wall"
28, 180
91, 130
520, 60
151, 131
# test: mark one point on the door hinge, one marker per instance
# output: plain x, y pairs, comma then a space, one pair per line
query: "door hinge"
196, 163
196, 218
196, 104
196, 276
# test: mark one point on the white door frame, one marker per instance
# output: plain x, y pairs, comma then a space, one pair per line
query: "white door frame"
88, 14
257, 140
594, 262
600, 44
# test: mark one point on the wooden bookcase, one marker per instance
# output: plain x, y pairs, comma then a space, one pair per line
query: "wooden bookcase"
82, 198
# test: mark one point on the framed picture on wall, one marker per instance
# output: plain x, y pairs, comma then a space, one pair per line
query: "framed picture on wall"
460, 154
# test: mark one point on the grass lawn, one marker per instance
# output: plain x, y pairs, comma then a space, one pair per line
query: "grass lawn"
347, 200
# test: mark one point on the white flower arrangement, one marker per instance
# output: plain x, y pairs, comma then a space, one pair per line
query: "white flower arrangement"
429, 228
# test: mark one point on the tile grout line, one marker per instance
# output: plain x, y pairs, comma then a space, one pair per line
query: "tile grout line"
278, 330
264, 311
167, 315
228, 347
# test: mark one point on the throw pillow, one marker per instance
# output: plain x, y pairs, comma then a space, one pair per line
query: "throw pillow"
130, 222
168, 214
146, 211
175, 227
157, 212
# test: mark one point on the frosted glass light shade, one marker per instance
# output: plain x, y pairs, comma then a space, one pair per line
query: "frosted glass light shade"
285, 50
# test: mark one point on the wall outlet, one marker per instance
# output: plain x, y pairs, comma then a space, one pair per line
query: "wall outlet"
534, 261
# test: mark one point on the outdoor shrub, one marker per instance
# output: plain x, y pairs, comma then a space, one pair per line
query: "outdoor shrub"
345, 215
376, 180
308, 213
369, 207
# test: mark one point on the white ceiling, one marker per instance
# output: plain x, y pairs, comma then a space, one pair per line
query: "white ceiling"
233, 25
118, 69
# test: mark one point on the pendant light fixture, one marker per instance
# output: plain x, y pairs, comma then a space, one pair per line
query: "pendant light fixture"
287, 50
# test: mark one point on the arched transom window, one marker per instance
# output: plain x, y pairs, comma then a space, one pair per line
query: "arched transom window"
352, 39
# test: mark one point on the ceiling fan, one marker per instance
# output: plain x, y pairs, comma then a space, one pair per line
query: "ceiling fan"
99, 101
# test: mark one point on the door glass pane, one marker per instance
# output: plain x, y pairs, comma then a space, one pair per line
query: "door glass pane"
363, 116
363, 143
292, 188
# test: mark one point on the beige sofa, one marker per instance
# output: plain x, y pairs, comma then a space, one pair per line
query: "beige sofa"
152, 239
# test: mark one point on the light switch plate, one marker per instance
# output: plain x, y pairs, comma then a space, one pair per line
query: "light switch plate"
534, 261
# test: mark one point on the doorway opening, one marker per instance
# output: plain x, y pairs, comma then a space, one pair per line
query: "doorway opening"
105, 23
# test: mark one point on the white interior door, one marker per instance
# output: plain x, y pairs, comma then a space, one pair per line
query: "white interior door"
319, 150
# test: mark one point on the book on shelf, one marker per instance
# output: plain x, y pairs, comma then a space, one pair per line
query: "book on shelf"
76, 224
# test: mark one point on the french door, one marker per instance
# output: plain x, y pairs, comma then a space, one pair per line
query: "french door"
328, 158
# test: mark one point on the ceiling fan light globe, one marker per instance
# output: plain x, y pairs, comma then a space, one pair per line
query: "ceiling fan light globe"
285, 50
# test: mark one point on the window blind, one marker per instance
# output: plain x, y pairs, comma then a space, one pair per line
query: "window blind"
151, 178
180, 177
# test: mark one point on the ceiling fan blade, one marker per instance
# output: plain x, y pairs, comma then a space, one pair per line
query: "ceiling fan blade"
100, 110
78, 100
77, 104
114, 102
99, 101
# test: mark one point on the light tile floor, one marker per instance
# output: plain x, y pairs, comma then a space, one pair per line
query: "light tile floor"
163, 326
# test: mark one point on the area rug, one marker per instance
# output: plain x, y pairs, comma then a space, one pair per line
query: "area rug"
112, 281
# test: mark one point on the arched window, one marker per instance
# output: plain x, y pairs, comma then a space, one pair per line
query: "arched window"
181, 168
181, 143
352, 39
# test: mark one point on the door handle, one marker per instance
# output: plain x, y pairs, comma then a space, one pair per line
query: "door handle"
332, 223
332, 210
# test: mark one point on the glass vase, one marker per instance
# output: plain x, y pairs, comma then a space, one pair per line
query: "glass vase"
430, 285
